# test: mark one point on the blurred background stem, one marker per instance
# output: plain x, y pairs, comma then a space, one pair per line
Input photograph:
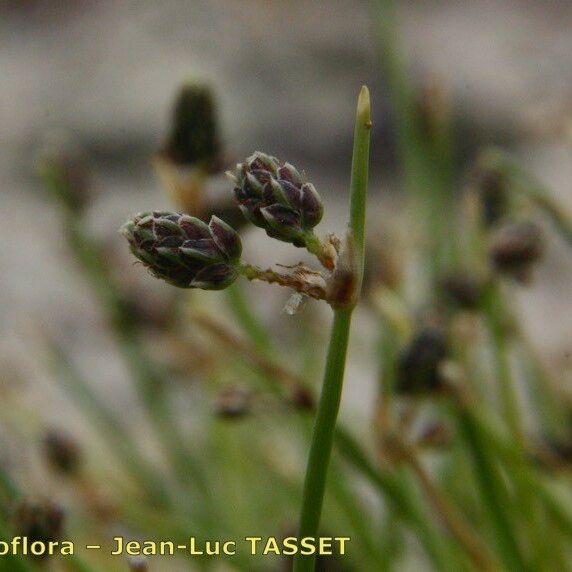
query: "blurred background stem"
149, 382
425, 150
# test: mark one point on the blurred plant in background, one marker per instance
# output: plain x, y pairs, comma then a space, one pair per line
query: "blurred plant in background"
467, 465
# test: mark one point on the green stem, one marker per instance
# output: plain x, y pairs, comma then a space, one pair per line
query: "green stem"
315, 246
387, 484
426, 161
536, 487
325, 424
323, 436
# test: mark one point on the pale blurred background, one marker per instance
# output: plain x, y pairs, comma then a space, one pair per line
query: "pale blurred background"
286, 74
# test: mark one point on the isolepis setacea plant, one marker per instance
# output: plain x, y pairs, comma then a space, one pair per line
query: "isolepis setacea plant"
273, 195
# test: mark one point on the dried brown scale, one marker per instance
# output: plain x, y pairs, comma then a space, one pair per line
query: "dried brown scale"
298, 281
342, 284
341, 288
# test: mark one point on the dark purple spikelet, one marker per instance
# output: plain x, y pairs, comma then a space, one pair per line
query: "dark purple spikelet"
273, 196
185, 251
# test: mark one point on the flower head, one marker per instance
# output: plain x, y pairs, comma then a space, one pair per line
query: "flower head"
274, 196
185, 251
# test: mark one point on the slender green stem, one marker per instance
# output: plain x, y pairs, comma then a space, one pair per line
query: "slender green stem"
387, 484
315, 246
497, 316
504, 448
426, 159
325, 424
359, 180
323, 436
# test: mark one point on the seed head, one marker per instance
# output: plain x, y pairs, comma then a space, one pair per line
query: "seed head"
185, 251
515, 247
62, 452
418, 365
274, 196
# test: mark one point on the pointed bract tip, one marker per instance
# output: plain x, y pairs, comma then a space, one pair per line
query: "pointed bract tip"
230, 175
364, 105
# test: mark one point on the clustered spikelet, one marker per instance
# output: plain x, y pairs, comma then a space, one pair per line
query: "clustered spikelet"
274, 196
185, 251
188, 253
